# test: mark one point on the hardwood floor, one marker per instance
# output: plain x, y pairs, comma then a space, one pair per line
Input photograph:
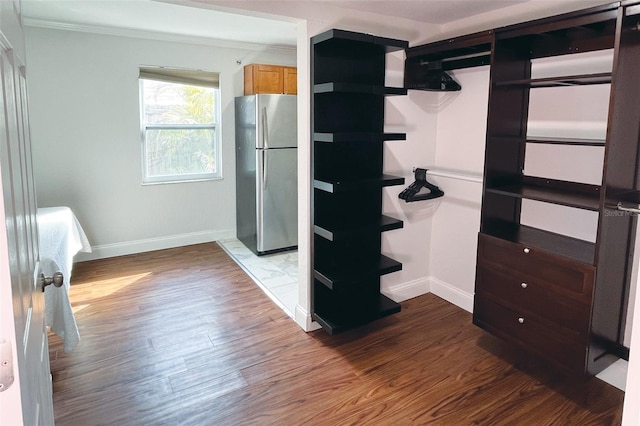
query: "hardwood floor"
183, 336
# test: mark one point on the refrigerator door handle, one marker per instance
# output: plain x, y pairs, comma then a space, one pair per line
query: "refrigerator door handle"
265, 130
264, 170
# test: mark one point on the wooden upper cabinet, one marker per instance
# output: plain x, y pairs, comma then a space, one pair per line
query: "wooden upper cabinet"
290, 80
260, 78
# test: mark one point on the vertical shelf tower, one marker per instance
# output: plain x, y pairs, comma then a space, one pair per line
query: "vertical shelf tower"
347, 132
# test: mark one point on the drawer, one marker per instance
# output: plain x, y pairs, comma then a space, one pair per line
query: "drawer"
566, 275
530, 333
528, 295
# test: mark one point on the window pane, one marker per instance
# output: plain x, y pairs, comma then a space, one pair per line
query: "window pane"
173, 103
179, 152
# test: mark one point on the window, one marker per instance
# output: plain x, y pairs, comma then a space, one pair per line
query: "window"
180, 125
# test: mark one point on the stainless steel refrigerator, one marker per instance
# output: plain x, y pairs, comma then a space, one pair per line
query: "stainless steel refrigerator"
266, 172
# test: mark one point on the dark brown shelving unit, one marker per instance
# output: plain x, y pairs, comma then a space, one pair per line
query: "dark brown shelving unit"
467, 51
562, 298
358, 137
343, 230
357, 184
554, 295
336, 277
560, 81
572, 248
570, 194
357, 88
336, 317
347, 134
567, 141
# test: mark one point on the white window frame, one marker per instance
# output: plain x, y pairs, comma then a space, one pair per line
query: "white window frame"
183, 178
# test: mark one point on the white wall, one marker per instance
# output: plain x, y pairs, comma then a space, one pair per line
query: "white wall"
462, 124
86, 138
409, 245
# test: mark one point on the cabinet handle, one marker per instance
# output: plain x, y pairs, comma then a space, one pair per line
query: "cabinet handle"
521, 320
526, 250
628, 207
524, 285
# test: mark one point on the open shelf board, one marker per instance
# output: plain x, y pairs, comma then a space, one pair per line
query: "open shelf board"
336, 321
570, 194
550, 242
336, 36
561, 81
336, 278
358, 137
357, 185
337, 87
459, 52
343, 230
566, 141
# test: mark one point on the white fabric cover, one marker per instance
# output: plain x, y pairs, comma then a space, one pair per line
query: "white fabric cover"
60, 238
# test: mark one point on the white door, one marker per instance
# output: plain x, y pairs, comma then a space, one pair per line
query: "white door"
26, 399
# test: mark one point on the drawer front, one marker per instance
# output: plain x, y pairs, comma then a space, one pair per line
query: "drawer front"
566, 276
528, 332
527, 295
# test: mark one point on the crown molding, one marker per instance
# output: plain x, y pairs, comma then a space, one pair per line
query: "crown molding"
159, 36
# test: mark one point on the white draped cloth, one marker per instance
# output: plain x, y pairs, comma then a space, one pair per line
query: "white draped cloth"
60, 238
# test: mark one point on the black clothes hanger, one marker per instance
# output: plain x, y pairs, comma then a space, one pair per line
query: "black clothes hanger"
412, 192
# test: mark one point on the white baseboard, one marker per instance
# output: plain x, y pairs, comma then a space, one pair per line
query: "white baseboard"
451, 294
150, 244
404, 291
304, 320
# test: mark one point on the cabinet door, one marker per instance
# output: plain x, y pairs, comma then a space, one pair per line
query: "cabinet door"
290, 80
259, 78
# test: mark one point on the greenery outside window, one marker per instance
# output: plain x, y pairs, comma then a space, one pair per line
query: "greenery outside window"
180, 125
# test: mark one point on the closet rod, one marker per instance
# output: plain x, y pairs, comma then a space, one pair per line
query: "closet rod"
455, 174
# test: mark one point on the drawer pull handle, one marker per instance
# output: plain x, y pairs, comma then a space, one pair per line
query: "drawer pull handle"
524, 285
526, 250
628, 207
521, 320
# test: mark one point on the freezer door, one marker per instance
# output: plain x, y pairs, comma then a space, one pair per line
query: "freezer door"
276, 116
277, 189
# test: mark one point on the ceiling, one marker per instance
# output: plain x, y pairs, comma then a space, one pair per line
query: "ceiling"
214, 18
428, 11
157, 17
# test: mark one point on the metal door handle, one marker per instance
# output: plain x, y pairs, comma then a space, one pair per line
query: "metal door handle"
628, 207
265, 129
57, 280
265, 155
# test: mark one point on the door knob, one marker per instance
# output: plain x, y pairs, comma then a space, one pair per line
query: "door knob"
57, 279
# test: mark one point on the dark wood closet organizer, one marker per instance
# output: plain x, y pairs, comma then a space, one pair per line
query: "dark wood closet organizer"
347, 130
562, 298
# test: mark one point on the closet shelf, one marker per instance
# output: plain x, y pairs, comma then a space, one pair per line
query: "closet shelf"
566, 141
573, 248
335, 39
344, 230
334, 319
570, 194
357, 185
358, 137
337, 277
367, 89
468, 45
561, 81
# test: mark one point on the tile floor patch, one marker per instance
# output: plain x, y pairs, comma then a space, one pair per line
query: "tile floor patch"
276, 274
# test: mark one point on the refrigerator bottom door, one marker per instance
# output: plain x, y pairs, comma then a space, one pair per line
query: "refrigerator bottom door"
277, 196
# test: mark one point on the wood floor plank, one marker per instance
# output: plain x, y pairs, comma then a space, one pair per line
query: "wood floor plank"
184, 336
